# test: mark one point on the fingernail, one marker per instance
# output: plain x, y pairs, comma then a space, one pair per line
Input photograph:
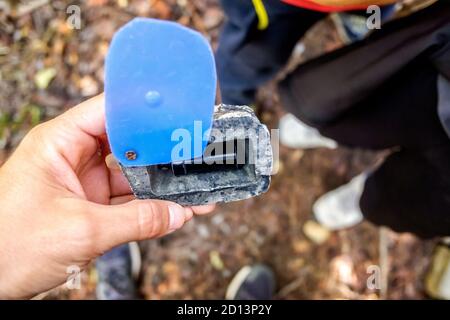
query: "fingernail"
111, 162
188, 214
176, 217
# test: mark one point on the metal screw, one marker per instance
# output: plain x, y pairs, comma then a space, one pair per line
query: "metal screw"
131, 155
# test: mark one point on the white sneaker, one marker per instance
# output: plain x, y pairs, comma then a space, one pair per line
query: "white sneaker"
296, 134
339, 209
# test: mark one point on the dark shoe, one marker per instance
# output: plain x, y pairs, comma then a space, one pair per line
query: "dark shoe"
117, 274
252, 283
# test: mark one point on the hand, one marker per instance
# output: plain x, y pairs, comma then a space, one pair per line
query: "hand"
62, 206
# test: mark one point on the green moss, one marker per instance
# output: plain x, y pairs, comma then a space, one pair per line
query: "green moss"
28, 116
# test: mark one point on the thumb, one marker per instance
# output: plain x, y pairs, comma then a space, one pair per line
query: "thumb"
134, 221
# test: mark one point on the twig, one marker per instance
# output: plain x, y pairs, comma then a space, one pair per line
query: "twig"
383, 252
291, 286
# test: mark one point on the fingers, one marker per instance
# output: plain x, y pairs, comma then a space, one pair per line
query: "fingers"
189, 213
118, 184
121, 199
70, 137
201, 210
89, 116
136, 220
111, 162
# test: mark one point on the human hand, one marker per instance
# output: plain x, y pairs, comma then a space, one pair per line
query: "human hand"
62, 206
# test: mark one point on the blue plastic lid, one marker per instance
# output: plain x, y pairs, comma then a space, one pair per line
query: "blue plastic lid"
160, 76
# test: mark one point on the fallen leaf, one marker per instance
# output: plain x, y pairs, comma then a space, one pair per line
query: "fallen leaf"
89, 86
43, 77
315, 232
122, 3
216, 260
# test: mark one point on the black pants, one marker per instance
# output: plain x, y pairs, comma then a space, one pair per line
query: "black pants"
378, 93
248, 57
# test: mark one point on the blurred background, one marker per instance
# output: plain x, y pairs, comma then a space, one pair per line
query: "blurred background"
47, 66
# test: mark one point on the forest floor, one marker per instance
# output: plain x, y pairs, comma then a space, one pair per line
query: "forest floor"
47, 67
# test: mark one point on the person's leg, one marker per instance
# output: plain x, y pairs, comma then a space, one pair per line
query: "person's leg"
401, 113
410, 192
390, 103
248, 56
320, 91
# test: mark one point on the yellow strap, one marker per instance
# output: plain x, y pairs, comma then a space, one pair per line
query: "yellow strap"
263, 17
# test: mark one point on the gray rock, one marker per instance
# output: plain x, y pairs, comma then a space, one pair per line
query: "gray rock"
213, 186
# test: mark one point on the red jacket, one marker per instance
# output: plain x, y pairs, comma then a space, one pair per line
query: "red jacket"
317, 7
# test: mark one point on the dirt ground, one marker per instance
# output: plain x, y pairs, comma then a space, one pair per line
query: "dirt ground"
46, 67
